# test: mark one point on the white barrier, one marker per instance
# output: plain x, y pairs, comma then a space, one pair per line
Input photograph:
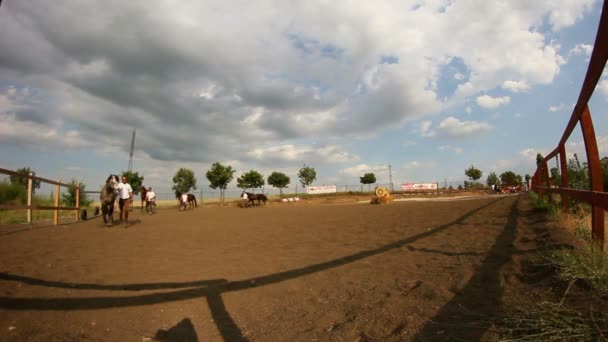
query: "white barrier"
328, 189
418, 186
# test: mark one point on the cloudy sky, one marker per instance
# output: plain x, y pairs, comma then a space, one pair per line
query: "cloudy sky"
347, 87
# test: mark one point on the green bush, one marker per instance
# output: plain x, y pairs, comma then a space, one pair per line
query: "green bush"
11, 191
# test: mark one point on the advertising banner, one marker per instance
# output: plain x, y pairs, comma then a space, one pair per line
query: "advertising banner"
418, 186
321, 189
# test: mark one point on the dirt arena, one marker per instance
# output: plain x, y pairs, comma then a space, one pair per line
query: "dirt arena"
404, 271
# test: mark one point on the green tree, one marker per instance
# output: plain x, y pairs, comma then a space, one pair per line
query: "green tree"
307, 175
578, 175
539, 159
368, 178
134, 179
492, 179
184, 180
12, 191
220, 176
555, 177
473, 173
510, 178
250, 180
68, 198
21, 178
279, 180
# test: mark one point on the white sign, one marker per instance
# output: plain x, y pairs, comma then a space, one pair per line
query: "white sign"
328, 189
418, 186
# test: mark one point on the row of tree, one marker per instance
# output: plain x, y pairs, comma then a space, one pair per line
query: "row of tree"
219, 176
507, 178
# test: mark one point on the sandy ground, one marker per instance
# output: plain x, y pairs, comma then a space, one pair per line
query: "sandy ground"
330, 270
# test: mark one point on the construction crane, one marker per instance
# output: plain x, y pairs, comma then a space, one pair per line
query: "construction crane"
132, 148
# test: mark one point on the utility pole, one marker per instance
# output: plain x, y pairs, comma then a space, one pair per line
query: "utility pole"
131, 155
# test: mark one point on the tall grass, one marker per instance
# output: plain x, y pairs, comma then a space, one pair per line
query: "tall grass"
543, 204
547, 321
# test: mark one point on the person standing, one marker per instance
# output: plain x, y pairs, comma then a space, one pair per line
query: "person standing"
150, 200
245, 200
125, 200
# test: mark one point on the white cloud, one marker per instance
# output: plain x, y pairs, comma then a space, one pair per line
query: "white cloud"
425, 129
290, 152
528, 153
450, 148
516, 86
454, 128
355, 171
581, 49
602, 87
557, 108
459, 76
414, 164
490, 102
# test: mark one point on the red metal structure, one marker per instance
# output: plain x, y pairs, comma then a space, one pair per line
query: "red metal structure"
581, 114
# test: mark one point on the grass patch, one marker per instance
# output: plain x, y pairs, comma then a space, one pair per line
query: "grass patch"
585, 264
543, 204
553, 322
588, 264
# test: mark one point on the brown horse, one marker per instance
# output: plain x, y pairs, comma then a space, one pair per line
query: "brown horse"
107, 196
190, 203
256, 197
143, 191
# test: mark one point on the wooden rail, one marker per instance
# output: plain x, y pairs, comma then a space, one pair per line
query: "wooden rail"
29, 207
581, 114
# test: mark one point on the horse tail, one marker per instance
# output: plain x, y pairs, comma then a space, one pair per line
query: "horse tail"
194, 200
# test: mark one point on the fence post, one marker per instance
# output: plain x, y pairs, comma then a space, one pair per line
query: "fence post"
201, 196
56, 211
564, 170
29, 198
77, 202
595, 175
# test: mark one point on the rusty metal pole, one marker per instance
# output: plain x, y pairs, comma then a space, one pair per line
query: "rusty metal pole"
29, 198
595, 175
564, 171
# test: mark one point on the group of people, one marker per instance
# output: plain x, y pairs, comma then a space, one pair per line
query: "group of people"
125, 200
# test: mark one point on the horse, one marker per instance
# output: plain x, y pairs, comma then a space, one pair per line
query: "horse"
107, 197
259, 197
191, 200
143, 191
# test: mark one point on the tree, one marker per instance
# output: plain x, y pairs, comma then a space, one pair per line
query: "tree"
251, 180
134, 180
219, 176
578, 176
368, 178
68, 198
184, 180
22, 179
555, 177
307, 175
510, 178
279, 180
539, 159
492, 179
473, 173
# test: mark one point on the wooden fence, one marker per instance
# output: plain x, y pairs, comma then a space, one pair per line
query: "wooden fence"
581, 114
29, 207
